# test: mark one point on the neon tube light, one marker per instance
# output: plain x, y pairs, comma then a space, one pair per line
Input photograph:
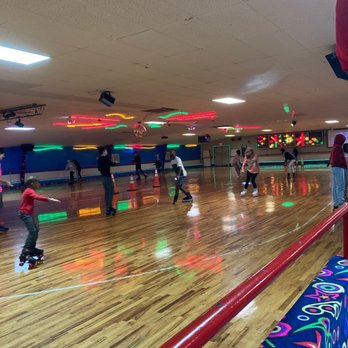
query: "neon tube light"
120, 115
40, 148
85, 147
116, 127
173, 114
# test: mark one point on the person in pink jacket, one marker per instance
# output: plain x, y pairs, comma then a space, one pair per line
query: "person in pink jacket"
251, 160
338, 167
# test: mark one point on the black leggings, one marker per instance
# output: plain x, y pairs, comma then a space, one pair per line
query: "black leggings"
250, 177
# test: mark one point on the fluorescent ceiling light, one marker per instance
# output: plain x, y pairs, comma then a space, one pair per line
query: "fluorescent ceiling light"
189, 134
266, 130
230, 135
20, 129
21, 57
155, 122
332, 121
229, 100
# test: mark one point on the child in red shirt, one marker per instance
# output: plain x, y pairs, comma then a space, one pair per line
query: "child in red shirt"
26, 211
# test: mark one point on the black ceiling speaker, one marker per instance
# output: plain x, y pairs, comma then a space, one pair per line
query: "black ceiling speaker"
336, 66
106, 98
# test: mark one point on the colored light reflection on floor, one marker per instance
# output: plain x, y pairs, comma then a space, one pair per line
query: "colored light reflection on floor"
52, 217
89, 211
124, 205
287, 204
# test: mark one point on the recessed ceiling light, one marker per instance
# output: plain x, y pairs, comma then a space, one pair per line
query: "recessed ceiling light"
21, 57
332, 121
155, 122
20, 129
266, 130
229, 100
230, 135
189, 134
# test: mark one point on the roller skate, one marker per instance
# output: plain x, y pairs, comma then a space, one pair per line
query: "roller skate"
25, 256
38, 253
187, 198
110, 211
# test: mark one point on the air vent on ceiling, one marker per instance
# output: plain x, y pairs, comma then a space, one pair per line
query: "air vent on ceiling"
160, 110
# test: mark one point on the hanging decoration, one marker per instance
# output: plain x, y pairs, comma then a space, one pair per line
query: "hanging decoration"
140, 130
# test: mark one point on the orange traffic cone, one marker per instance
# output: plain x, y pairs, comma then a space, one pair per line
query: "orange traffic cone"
114, 181
131, 184
156, 181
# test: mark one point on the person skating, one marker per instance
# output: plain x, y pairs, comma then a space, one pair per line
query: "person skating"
180, 176
26, 212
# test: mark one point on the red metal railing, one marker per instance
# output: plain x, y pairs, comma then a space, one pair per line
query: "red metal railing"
207, 325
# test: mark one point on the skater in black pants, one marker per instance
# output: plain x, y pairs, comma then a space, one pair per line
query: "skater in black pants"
181, 174
78, 168
26, 211
137, 160
70, 166
104, 164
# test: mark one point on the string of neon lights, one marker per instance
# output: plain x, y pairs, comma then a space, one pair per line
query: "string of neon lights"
120, 115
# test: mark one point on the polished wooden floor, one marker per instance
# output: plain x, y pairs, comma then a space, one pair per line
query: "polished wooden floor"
135, 279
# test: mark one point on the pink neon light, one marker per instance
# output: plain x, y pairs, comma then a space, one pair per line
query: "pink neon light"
210, 115
94, 118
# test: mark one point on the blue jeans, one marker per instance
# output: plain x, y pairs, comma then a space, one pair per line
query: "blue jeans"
33, 231
108, 191
338, 185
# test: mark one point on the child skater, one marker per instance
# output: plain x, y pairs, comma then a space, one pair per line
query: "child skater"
26, 211
289, 162
252, 161
236, 162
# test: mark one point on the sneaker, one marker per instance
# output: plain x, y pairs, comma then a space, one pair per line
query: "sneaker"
3, 229
243, 193
255, 193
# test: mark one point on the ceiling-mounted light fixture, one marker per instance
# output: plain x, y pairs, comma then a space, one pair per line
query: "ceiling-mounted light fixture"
19, 123
293, 123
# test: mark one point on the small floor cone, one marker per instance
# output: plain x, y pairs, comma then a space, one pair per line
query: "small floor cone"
156, 181
131, 184
115, 186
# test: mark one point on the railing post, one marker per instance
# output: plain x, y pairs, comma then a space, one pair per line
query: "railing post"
345, 235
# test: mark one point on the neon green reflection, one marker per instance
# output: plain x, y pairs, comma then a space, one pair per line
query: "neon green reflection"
52, 217
287, 204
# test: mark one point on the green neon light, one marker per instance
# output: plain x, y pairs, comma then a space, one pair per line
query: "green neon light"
287, 204
40, 148
116, 127
286, 108
121, 147
154, 125
52, 217
173, 146
173, 114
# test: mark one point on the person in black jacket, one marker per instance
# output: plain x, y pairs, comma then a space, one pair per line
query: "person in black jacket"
137, 160
289, 162
78, 168
104, 164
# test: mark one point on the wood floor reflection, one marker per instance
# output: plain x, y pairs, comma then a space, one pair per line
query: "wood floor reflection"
135, 279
